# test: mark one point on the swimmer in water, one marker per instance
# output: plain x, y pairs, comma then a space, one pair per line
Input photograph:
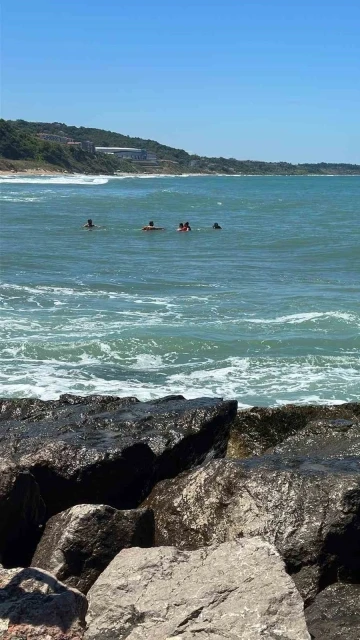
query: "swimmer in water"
187, 226
180, 227
90, 225
216, 226
150, 227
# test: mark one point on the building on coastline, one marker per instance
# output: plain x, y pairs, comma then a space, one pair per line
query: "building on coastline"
129, 153
52, 137
86, 145
126, 153
151, 157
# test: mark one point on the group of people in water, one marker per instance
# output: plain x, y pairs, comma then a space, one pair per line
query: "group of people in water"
183, 226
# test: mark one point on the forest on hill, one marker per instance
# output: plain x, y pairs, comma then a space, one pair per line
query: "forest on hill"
20, 148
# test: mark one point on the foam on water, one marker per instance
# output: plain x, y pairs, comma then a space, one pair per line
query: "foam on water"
267, 311
55, 180
250, 380
312, 316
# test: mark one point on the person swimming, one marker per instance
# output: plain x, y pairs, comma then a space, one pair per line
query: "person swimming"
184, 226
216, 226
151, 227
90, 225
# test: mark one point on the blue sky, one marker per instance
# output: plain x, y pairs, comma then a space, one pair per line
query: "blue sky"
260, 79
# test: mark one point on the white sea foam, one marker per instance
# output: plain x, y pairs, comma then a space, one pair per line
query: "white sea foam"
299, 318
55, 180
330, 380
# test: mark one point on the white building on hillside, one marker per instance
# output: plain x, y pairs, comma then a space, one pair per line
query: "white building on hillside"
127, 153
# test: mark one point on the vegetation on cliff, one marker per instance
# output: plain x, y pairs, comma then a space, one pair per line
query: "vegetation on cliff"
19, 144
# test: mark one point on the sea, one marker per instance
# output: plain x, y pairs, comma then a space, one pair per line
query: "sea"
265, 310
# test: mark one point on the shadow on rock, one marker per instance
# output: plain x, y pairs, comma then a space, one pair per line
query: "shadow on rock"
33, 604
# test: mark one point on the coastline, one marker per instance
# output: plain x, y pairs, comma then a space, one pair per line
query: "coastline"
29, 173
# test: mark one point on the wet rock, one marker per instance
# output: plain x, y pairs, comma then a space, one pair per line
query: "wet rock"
110, 450
308, 509
325, 438
22, 512
234, 590
33, 604
78, 544
260, 428
335, 614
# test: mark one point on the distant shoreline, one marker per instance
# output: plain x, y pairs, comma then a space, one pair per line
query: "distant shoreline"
50, 172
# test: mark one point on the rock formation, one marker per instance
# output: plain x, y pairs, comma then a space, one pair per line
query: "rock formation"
110, 450
33, 604
257, 429
78, 544
309, 510
22, 512
233, 590
74, 472
335, 614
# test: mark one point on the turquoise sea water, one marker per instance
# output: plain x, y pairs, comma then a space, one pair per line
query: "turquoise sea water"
266, 311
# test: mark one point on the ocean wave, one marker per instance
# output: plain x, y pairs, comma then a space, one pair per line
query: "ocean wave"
264, 381
300, 318
55, 180
19, 199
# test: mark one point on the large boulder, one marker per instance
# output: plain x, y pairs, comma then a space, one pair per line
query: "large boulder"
33, 604
257, 429
78, 544
323, 438
22, 513
234, 590
110, 450
308, 509
335, 614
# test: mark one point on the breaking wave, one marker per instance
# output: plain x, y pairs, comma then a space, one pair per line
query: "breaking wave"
55, 180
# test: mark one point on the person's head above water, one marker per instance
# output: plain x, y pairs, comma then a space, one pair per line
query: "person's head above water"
90, 222
151, 224
181, 225
216, 225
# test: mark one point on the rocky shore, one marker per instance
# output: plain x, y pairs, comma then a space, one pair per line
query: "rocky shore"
178, 520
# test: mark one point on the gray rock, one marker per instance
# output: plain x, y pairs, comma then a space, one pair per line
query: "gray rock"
78, 544
324, 438
234, 590
335, 614
308, 509
33, 604
22, 512
110, 450
257, 429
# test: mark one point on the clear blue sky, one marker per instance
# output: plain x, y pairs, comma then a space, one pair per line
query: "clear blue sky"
259, 79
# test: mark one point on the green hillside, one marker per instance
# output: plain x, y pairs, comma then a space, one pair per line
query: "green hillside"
19, 147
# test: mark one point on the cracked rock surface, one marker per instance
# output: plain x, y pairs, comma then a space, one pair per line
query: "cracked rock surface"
78, 544
235, 590
335, 614
109, 450
309, 509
